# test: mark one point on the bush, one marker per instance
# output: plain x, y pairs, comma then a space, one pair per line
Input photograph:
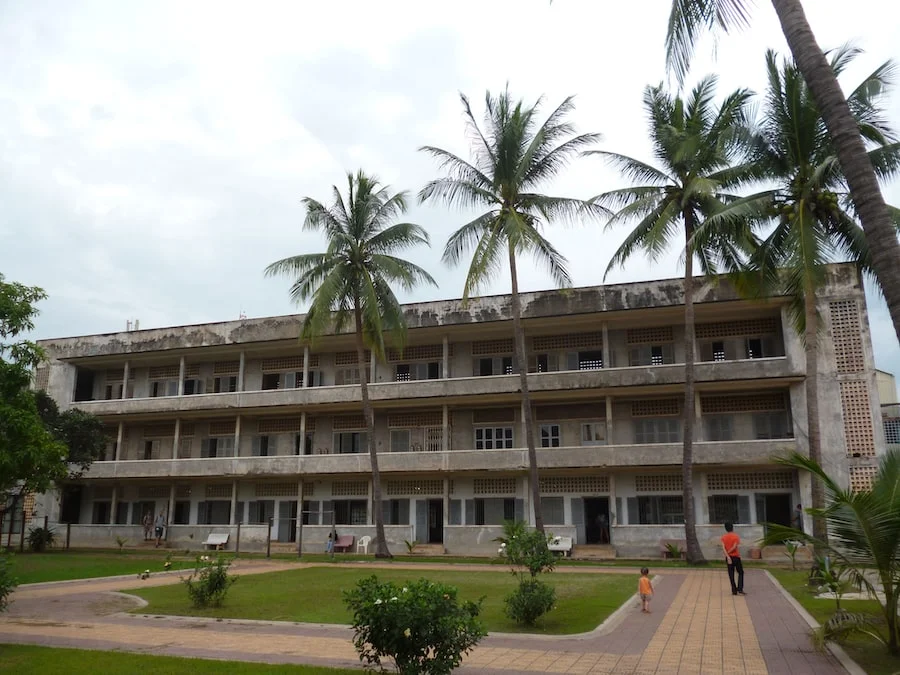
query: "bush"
40, 538
421, 626
530, 601
7, 583
212, 582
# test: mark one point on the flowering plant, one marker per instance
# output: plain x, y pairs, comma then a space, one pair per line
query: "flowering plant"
421, 626
212, 581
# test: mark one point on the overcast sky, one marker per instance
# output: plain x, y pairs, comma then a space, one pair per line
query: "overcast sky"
153, 155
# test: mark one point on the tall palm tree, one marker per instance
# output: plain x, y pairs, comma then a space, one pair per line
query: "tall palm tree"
690, 18
815, 223
511, 158
864, 528
351, 285
698, 147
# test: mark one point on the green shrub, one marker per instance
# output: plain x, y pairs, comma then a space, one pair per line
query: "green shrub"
530, 601
40, 538
7, 583
212, 582
421, 626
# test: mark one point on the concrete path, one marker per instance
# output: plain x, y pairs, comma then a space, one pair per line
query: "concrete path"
697, 626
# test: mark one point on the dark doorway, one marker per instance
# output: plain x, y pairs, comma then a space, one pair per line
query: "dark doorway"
287, 521
773, 509
596, 520
70, 509
84, 385
435, 521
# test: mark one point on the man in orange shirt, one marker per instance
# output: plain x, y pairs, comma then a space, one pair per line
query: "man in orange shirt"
731, 545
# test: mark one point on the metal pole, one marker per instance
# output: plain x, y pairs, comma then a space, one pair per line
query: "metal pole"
45, 522
333, 535
68, 534
269, 540
300, 533
237, 542
22, 531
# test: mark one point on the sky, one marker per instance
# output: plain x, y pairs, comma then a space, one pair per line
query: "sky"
153, 155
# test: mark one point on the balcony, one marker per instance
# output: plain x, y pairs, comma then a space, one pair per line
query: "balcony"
449, 390
732, 453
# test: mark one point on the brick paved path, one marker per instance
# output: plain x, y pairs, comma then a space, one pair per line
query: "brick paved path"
697, 626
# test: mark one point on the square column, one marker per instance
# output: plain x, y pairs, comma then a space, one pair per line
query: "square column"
446, 357
305, 366
176, 441
125, 375
120, 438
234, 491
241, 366
181, 377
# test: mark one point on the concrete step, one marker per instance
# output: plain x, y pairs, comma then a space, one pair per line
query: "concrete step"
594, 552
428, 549
284, 547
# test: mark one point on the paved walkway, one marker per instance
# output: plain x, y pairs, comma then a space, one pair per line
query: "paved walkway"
697, 626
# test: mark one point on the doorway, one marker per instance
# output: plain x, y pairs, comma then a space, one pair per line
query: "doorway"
596, 520
287, 521
773, 509
435, 521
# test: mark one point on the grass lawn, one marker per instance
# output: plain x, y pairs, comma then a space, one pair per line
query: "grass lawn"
28, 660
29, 568
316, 595
871, 655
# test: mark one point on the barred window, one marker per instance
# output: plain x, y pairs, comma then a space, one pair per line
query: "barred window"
493, 438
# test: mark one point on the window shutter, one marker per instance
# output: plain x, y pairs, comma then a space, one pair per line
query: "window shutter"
578, 520
253, 512
571, 361
470, 512
713, 514
760, 509
706, 351
404, 512
617, 516
204, 447
327, 513
634, 517
315, 517
455, 512
768, 346
421, 521
239, 513
202, 509
289, 380
743, 509
256, 446
520, 509
386, 511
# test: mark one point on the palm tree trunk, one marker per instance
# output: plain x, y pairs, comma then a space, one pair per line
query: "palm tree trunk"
693, 554
522, 364
820, 530
381, 547
873, 213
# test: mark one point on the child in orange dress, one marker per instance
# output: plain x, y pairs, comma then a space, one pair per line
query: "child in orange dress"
645, 588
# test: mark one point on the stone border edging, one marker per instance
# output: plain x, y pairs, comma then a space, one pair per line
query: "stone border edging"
851, 666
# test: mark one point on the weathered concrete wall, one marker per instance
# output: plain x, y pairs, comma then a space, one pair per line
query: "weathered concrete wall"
642, 541
472, 539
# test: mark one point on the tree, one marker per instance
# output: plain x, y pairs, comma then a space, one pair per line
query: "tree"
31, 458
690, 18
512, 157
864, 538
350, 285
814, 221
697, 146
82, 433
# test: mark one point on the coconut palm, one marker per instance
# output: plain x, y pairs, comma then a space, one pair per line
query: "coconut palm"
512, 157
691, 18
351, 285
815, 223
864, 538
698, 147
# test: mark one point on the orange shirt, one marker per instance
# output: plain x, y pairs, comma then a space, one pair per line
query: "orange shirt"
644, 586
730, 541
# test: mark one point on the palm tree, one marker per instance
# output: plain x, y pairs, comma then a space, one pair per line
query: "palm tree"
864, 538
690, 18
511, 158
350, 285
697, 147
813, 226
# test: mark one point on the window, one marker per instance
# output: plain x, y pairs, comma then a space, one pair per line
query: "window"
400, 441
397, 512
549, 435
311, 513
182, 515
719, 428
347, 376
760, 347
552, 507
493, 438
314, 378
225, 384
261, 511
771, 425
113, 392
350, 442
593, 433
662, 430
592, 360
109, 452
892, 431
307, 446
350, 512
217, 447
280, 380
100, 515
405, 372
152, 449
658, 510
270, 380
192, 387
122, 513
493, 511
260, 446
729, 509
214, 512
543, 363
163, 388
497, 365
651, 355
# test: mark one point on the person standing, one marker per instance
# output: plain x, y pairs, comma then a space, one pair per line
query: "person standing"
798, 518
160, 527
731, 543
147, 522
645, 589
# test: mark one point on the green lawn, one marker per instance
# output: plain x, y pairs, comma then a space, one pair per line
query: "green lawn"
30, 660
29, 568
867, 652
316, 595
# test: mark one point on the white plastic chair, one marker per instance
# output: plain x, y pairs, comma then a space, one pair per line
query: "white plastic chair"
363, 543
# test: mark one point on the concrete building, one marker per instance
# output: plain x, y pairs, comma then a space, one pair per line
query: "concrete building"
887, 387
237, 423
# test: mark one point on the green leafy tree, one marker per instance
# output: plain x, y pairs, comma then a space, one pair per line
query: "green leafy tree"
864, 539
698, 147
814, 220
689, 19
512, 157
82, 433
350, 285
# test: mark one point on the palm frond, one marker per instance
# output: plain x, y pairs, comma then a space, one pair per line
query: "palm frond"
689, 19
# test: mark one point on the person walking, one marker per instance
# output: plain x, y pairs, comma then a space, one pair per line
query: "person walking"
147, 522
160, 527
645, 589
731, 543
798, 518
